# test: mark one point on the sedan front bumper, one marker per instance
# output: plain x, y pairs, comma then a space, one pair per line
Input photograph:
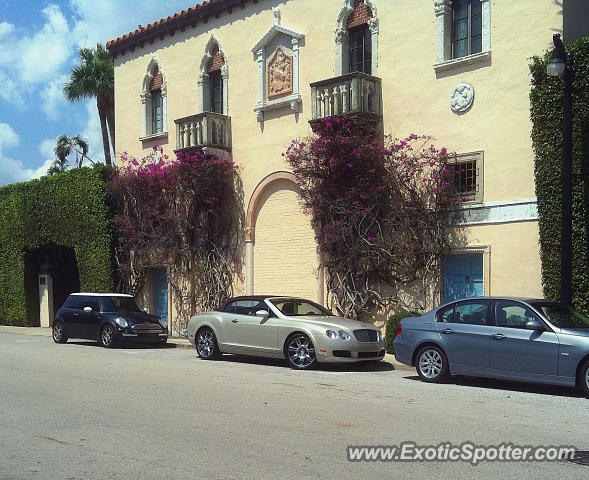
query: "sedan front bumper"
349, 351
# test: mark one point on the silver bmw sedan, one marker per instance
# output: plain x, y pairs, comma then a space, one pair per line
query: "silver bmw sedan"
505, 338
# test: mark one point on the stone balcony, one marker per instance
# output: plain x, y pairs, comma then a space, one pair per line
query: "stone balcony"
356, 95
207, 131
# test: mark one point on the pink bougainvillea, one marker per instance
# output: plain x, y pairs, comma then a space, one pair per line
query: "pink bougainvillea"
383, 212
185, 213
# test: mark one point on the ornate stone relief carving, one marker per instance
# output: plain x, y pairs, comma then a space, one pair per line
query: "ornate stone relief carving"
278, 68
461, 97
279, 74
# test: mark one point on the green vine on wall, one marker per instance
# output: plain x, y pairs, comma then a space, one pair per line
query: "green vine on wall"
546, 115
69, 209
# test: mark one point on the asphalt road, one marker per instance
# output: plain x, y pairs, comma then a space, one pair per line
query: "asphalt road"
78, 411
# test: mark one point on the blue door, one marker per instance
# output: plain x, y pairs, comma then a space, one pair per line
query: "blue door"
463, 276
160, 292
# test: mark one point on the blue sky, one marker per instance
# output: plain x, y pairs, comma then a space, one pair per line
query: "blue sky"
38, 46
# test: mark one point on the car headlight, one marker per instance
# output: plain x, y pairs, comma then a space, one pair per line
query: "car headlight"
164, 323
331, 334
379, 335
121, 322
344, 335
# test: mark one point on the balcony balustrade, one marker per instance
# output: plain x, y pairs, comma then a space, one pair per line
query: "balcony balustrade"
356, 94
205, 130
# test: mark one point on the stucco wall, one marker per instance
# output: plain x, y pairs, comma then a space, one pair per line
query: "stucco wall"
415, 98
285, 258
513, 258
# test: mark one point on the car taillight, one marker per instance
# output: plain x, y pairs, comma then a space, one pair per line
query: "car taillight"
399, 330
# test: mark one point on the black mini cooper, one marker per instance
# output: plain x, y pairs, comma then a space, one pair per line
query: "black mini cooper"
107, 318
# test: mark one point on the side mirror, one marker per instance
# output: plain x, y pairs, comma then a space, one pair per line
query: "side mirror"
535, 324
263, 314
88, 309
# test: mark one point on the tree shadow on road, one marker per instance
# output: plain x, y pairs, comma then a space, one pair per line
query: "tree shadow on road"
507, 385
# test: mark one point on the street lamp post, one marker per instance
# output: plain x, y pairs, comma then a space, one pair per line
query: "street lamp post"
561, 65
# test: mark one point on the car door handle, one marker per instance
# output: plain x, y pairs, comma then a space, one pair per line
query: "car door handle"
499, 336
76, 314
234, 321
447, 331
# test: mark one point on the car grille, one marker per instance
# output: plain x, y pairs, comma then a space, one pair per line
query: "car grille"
147, 328
371, 354
364, 335
342, 353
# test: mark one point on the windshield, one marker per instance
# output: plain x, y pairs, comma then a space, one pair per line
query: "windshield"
121, 304
562, 316
295, 307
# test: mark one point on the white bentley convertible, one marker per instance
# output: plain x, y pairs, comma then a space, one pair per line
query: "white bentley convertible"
299, 330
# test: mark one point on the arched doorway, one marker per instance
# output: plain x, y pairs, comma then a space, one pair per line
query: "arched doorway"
282, 256
54, 270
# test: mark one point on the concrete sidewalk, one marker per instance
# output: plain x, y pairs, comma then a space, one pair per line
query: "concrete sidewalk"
175, 341
46, 332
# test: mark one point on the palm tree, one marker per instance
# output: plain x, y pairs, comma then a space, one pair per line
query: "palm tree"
67, 145
64, 147
94, 77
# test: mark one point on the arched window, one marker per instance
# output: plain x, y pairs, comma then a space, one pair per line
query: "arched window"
155, 89
357, 38
212, 83
154, 101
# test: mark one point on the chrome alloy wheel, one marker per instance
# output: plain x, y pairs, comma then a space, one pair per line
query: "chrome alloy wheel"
107, 336
58, 332
205, 344
430, 363
301, 352
587, 378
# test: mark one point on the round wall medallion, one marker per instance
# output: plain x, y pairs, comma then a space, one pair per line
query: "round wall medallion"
461, 97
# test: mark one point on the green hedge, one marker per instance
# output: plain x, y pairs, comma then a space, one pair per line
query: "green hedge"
69, 209
546, 115
391, 328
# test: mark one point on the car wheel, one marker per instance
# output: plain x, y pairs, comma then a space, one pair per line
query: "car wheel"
59, 335
107, 336
300, 352
432, 364
206, 344
584, 378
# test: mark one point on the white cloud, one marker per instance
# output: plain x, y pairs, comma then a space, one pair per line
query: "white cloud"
10, 92
8, 137
41, 56
12, 170
92, 133
32, 59
6, 28
46, 148
52, 98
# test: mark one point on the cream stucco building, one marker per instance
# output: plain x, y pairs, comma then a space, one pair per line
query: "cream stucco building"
235, 76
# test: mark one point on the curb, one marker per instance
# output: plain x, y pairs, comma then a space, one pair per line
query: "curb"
46, 332
37, 331
178, 342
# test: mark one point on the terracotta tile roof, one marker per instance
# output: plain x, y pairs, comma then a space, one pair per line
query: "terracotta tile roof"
178, 21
